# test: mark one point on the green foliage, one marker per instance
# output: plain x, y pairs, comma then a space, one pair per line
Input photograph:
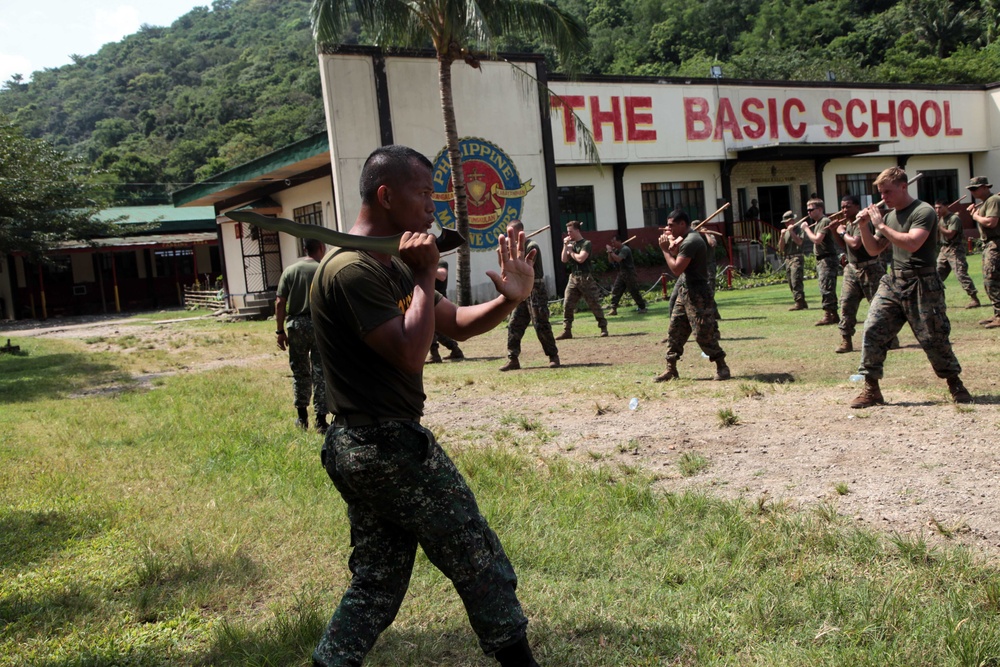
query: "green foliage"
45, 197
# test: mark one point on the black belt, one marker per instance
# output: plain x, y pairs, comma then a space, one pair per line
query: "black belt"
861, 265
912, 273
295, 317
356, 421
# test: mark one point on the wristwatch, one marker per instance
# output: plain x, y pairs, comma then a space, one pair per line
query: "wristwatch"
279, 332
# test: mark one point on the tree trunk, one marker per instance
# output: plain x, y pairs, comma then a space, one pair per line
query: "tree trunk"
463, 283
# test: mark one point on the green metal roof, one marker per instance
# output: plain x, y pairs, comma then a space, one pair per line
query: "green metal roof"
164, 219
282, 164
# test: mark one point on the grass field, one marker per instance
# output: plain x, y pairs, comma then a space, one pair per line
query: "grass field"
157, 507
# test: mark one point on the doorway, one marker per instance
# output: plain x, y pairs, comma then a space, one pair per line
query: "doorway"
773, 202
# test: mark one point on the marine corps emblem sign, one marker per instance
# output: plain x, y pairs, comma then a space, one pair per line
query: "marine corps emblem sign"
495, 191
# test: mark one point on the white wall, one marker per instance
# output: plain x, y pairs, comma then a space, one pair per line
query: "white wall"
637, 174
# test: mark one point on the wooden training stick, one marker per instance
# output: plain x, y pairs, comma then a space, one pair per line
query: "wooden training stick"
721, 209
536, 232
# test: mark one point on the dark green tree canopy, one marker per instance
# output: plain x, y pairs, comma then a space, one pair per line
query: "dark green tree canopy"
45, 197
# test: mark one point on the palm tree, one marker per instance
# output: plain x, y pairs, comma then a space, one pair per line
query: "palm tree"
457, 29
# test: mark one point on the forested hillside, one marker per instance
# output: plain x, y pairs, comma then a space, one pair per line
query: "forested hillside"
222, 85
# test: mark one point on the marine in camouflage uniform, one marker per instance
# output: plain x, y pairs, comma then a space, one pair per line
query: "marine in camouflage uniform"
621, 256
862, 273
295, 333
790, 247
401, 489
686, 254
456, 354
951, 251
826, 260
534, 311
987, 217
912, 292
576, 253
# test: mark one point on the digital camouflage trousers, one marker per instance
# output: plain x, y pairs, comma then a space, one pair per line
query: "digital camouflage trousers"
826, 274
794, 273
859, 283
307, 368
402, 490
693, 312
918, 301
991, 275
535, 311
626, 280
953, 259
582, 286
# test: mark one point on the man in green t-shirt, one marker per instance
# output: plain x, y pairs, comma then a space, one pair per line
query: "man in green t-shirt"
295, 332
576, 255
534, 311
686, 254
987, 216
912, 292
826, 259
790, 247
378, 313
621, 256
951, 253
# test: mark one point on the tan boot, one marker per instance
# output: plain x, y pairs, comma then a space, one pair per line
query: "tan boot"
988, 320
604, 332
669, 374
554, 361
993, 324
800, 305
829, 317
512, 365
721, 370
845, 345
613, 312
870, 395
959, 393
565, 335
974, 303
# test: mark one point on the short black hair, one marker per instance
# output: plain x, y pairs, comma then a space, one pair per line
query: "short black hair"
679, 214
940, 202
388, 165
854, 199
516, 223
313, 245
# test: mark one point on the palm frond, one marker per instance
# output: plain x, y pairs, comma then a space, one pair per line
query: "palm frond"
584, 137
538, 19
330, 19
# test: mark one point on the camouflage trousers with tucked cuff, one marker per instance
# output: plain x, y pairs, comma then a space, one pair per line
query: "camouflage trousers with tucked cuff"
918, 301
859, 283
953, 259
627, 280
794, 273
991, 274
582, 285
535, 311
693, 312
826, 274
402, 490
304, 360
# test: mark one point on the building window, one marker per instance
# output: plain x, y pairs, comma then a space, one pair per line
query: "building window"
576, 202
938, 184
175, 262
659, 199
861, 185
311, 214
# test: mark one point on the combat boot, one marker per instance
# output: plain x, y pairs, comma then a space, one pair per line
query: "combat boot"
845, 345
321, 424
435, 357
512, 365
303, 419
669, 374
613, 311
800, 305
894, 343
721, 370
974, 303
829, 317
959, 393
554, 361
516, 655
870, 395
993, 324
565, 335
988, 320
604, 332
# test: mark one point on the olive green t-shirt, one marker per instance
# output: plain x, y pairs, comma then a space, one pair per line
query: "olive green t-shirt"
352, 295
694, 247
828, 247
952, 223
792, 249
855, 256
918, 215
990, 209
539, 269
626, 262
580, 267
293, 286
